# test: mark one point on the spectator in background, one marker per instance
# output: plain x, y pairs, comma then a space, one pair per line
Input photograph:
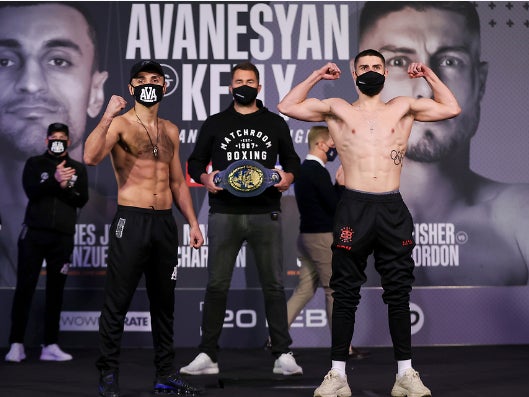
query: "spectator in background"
57, 187
49, 73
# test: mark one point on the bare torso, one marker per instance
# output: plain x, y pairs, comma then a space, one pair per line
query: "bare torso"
143, 179
371, 143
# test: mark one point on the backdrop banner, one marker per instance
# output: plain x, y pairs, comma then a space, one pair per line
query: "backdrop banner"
472, 242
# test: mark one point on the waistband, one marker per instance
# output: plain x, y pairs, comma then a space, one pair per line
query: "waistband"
147, 211
385, 197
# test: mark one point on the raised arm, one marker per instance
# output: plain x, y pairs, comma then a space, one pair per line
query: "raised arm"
444, 104
296, 104
102, 139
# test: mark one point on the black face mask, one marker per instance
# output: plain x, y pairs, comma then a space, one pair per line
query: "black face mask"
148, 94
370, 83
331, 153
244, 95
57, 146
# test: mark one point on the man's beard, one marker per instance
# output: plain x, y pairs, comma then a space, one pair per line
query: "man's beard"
437, 141
24, 138
429, 149
23, 142
24, 121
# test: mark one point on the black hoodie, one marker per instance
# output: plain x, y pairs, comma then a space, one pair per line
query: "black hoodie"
229, 136
50, 207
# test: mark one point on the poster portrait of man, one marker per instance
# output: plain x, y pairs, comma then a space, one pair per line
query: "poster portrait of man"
49, 72
470, 229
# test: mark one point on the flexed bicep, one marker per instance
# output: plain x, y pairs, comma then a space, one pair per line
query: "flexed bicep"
295, 104
311, 109
442, 106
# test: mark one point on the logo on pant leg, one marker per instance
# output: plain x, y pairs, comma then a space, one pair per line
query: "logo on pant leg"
120, 227
175, 273
345, 237
346, 234
65, 268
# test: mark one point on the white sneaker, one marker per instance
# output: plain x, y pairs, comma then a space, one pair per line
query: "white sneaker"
54, 353
16, 353
286, 365
410, 385
333, 385
201, 365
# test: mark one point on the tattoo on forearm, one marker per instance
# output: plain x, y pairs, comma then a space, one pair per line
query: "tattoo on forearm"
397, 156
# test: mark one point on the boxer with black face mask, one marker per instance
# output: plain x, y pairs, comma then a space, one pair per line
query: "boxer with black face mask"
147, 94
371, 218
145, 151
147, 86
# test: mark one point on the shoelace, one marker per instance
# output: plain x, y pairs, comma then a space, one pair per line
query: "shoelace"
329, 376
414, 374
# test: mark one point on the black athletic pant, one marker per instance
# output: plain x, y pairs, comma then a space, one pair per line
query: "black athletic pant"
33, 247
380, 224
142, 241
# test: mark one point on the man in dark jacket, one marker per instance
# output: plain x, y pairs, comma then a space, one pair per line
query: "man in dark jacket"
57, 187
248, 131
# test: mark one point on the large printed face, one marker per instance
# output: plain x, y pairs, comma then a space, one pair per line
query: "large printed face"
439, 39
46, 74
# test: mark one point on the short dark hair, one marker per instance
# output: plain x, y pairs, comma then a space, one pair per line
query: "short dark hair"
245, 66
92, 32
370, 52
375, 10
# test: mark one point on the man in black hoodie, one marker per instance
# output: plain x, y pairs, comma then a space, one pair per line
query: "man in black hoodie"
246, 130
57, 187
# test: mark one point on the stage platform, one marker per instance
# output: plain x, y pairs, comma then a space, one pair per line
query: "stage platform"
462, 371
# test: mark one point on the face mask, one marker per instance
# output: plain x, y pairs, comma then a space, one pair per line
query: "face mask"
331, 153
57, 146
244, 95
148, 94
370, 83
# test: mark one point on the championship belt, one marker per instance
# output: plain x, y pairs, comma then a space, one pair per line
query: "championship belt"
246, 178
